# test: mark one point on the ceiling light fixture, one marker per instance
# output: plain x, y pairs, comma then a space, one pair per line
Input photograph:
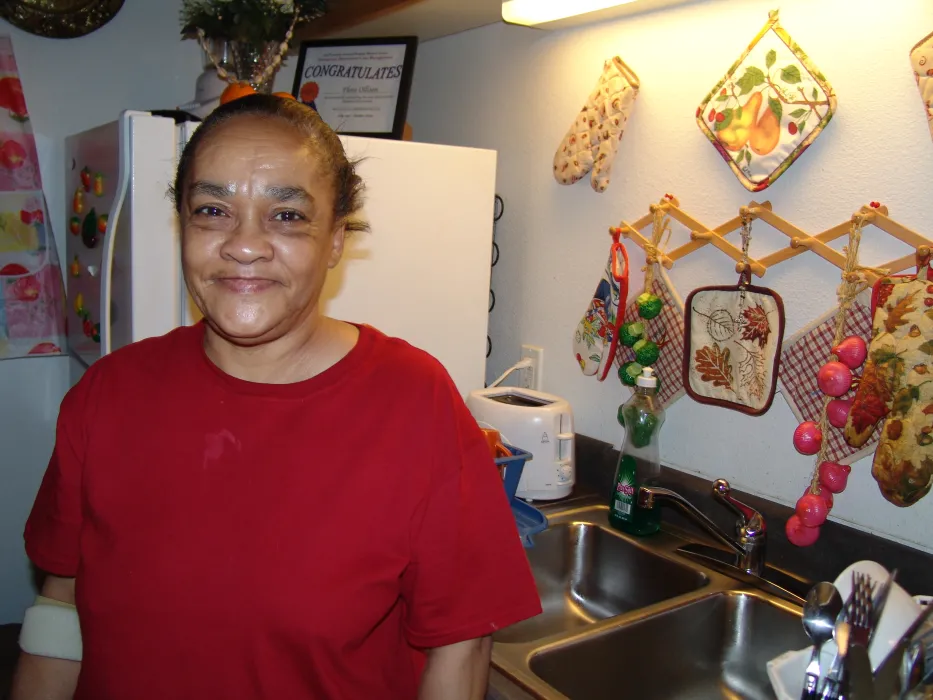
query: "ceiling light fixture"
558, 14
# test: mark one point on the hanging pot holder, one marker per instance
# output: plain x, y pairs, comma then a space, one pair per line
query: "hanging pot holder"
732, 346
667, 331
771, 105
597, 333
921, 59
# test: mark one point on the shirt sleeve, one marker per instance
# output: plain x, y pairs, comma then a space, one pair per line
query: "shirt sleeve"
54, 526
468, 575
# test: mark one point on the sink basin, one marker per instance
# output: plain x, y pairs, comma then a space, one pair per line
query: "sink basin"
586, 573
716, 647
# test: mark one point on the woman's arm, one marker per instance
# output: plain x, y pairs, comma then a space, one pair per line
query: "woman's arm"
42, 678
456, 672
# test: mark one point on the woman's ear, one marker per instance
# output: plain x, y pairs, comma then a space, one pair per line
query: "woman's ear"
337, 244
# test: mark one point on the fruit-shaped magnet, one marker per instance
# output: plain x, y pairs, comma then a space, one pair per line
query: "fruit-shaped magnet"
771, 105
74, 225
77, 202
98, 184
75, 267
102, 224
86, 179
89, 229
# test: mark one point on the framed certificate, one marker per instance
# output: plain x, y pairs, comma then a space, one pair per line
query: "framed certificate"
360, 87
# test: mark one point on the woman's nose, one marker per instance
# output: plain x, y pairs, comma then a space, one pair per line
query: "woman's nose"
247, 243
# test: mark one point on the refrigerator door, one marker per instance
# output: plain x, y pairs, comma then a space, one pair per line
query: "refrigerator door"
92, 165
124, 273
422, 273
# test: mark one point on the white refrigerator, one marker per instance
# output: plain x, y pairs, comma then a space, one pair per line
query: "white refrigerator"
421, 274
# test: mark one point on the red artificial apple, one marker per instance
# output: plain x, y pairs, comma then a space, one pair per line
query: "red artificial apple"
812, 509
808, 437
799, 534
851, 352
12, 155
837, 412
834, 379
833, 476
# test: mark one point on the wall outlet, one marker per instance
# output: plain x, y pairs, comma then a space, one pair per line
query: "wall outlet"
533, 377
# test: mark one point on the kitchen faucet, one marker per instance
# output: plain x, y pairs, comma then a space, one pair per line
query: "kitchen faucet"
751, 529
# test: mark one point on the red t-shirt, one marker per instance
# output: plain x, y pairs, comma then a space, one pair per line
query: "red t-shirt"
241, 540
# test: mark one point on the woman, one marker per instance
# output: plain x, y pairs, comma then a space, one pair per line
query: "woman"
271, 503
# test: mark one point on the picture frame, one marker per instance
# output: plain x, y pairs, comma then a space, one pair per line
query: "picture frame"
360, 87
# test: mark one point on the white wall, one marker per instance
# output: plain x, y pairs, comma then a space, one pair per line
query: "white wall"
135, 61
517, 90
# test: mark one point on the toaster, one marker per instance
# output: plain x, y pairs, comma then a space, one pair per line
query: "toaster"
539, 423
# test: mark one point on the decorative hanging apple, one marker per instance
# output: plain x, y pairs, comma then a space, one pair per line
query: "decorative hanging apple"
837, 412
834, 477
808, 438
812, 509
851, 352
799, 534
834, 379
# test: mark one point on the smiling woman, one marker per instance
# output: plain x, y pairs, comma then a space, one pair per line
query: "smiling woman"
234, 507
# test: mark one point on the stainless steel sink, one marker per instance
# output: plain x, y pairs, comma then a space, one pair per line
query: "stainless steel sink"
712, 648
586, 573
641, 617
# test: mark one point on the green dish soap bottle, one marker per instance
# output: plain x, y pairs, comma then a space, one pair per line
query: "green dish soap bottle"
640, 460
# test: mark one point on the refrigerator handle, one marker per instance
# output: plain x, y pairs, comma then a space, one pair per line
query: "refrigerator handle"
106, 263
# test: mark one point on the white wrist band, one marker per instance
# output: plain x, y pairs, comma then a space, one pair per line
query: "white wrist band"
52, 630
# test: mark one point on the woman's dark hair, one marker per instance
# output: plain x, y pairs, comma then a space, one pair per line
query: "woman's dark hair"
348, 186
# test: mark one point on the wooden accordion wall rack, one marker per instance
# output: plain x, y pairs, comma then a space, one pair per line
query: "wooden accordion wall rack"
874, 214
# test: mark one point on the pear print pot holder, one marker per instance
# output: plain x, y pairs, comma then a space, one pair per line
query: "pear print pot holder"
771, 105
597, 333
921, 59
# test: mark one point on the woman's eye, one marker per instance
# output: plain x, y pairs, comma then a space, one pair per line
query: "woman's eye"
288, 216
208, 210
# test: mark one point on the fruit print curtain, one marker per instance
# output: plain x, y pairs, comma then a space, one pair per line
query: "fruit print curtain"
32, 309
771, 105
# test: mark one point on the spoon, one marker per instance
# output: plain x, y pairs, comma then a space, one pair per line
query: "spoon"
822, 607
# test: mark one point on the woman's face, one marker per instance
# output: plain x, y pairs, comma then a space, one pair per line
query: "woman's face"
258, 233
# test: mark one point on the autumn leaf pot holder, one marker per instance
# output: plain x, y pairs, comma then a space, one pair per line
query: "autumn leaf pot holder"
897, 387
771, 105
732, 344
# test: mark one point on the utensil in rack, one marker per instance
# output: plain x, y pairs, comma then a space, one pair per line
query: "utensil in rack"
880, 600
822, 607
836, 681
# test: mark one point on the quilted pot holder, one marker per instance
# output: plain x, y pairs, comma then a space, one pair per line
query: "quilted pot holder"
921, 58
596, 335
732, 346
593, 138
802, 356
667, 331
771, 105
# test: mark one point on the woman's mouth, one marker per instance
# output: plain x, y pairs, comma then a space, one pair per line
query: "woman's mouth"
246, 285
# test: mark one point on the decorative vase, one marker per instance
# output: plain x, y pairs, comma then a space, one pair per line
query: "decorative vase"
251, 62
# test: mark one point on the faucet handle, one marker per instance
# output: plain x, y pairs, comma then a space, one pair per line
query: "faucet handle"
750, 520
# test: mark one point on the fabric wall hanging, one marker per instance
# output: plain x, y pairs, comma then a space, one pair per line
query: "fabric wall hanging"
596, 335
921, 59
771, 105
32, 295
593, 138
732, 342
653, 330
896, 388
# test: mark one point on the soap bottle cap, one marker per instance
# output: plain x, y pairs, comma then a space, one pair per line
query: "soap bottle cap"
647, 378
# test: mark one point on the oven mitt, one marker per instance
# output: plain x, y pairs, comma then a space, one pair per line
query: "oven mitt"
593, 139
896, 386
596, 336
921, 59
